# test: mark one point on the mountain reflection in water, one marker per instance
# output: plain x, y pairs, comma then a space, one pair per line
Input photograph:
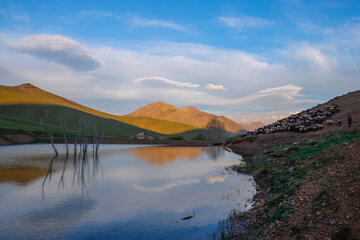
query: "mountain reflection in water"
21, 176
163, 155
129, 192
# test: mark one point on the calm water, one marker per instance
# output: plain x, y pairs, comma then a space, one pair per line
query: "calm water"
129, 192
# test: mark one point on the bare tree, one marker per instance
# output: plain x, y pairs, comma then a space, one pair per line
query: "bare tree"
98, 136
52, 138
50, 132
63, 128
216, 132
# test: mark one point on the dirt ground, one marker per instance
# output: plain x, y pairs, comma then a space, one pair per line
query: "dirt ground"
327, 206
4, 141
18, 138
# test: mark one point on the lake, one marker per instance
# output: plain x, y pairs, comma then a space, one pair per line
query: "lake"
127, 192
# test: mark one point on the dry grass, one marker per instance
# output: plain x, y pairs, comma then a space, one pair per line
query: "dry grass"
29, 94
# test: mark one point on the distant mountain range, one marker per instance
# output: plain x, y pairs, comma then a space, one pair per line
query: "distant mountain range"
187, 115
20, 103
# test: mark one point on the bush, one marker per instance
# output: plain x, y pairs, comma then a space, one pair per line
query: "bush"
176, 138
199, 137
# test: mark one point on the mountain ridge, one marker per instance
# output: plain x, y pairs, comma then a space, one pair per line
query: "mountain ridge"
158, 116
27, 94
187, 115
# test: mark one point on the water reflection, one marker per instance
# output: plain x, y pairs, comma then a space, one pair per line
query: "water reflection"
21, 176
215, 152
119, 195
83, 168
165, 186
48, 222
214, 179
163, 155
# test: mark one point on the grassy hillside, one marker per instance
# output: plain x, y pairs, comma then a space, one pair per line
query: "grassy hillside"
33, 118
310, 189
27, 94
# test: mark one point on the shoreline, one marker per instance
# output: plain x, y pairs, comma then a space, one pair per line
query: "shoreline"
175, 143
301, 190
10, 137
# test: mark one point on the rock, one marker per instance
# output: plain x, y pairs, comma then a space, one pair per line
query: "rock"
260, 203
329, 122
333, 222
308, 120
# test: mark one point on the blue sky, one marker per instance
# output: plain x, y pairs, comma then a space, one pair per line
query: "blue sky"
248, 60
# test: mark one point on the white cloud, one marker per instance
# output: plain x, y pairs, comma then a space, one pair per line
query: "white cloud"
244, 22
287, 91
215, 179
275, 117
244, 120
174, 72
166, 186
133, 19
292, 113
145, 22
315, 57
59, 49
215, 87
165, 80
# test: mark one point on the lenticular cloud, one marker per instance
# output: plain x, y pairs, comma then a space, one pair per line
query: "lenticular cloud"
58, 49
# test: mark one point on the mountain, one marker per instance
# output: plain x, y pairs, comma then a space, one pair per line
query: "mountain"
186, 115
26, 96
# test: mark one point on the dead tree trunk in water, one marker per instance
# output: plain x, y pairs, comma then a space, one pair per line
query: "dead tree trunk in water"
49, 130
85, 131
98, 143
63, 128
51, 136
75, 143
96, 139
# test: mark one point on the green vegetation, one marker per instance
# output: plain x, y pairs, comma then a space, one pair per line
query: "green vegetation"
199, 137
176, 138
41, 118
28, 96
281, 170
312, 148
37, 120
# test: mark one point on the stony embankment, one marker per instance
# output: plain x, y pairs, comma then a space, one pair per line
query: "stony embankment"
308, 120
308, 190
319, 121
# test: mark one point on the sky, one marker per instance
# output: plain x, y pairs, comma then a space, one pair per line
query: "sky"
248, 60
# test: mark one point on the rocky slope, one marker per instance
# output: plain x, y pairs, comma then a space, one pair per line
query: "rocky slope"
315, 122
307, 190
186, 115
308, 180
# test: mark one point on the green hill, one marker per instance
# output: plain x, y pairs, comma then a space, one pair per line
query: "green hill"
20, 101
31, 118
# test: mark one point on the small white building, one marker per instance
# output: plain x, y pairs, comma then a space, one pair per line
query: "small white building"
140, 136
